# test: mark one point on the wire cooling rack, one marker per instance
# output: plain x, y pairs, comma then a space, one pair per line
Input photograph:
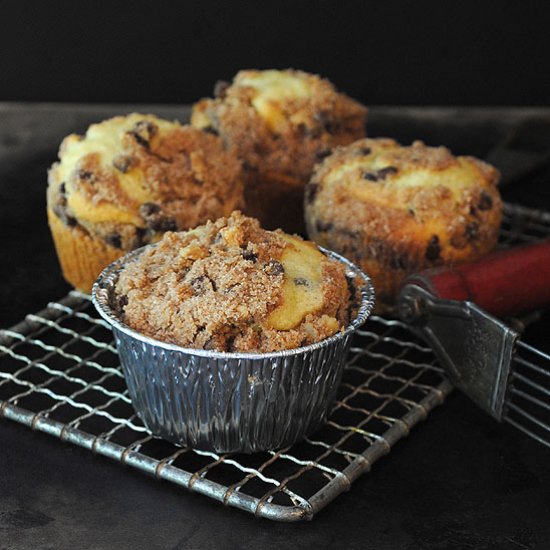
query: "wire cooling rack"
60, 374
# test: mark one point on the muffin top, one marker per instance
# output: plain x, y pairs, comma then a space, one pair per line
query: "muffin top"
233, 286
281, 121
420, 182
130, 178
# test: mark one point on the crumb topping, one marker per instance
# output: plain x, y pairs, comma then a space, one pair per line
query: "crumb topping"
281, 122
380, 169
424, 188
225, 286
130, 178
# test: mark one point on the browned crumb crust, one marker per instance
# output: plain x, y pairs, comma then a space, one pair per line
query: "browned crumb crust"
278, 162
213, 288
188, 174
392, 230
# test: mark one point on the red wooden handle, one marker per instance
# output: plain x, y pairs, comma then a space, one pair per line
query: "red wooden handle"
504, 283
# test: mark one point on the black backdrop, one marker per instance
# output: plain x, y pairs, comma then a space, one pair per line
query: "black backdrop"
381, 52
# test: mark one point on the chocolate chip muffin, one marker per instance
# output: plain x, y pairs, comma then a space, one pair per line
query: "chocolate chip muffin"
127, 181
232, 286
279, 123
395, 210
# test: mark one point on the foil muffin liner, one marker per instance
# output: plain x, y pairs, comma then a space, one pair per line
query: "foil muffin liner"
224, 401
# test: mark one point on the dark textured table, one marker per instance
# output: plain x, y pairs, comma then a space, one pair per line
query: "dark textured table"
460, 480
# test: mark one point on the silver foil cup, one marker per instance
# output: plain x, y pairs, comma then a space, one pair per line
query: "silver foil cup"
230, 402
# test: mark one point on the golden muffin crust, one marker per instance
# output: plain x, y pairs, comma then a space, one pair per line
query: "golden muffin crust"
130, 178
279, 123
233, 286
396, 210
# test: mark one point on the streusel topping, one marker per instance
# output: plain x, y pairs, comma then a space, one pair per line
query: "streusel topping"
233, 286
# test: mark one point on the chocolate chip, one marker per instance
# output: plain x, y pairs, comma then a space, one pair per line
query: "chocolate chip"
200, 330
322, 154
387, 171
211, 130
122, 302
85, 175
300, 281
155, 219
472, 231
365, 151
197, 181
199, 285
60, 210
485, 201
311, 192
250, 256
123, 163
162, 223
433, 249
274, 268
381, 174
332, 126
148, 209
329, 125
220, 88
62, 188
140, 140
250, 167
143, 132
114, 239
141, 237
309, 132
230, 343
324, 226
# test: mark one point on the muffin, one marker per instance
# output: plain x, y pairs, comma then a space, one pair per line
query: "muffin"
395, 209
279, 123
127, 181
230, 286
233, 286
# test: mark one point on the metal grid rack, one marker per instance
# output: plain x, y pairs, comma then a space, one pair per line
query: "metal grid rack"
59, 374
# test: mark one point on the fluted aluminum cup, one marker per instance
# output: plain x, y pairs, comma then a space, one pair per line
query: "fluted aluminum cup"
229, 402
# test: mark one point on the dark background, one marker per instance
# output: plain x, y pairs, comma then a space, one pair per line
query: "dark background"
381, 52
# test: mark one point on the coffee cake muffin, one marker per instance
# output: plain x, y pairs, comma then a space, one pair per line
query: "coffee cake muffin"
395, 210
127, 181
233, 286
279, 123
